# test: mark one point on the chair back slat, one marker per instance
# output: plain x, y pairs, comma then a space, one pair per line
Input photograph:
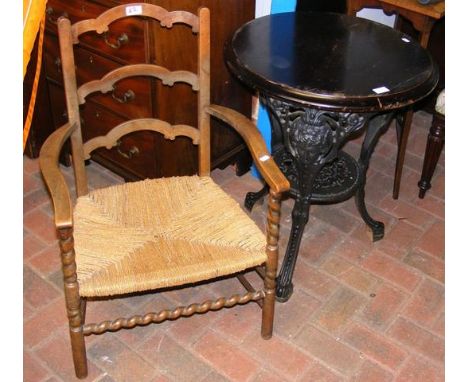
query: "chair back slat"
169, 131
101, 23
106, 83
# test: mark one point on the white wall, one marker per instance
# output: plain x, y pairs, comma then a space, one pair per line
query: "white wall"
377, 15
262, 8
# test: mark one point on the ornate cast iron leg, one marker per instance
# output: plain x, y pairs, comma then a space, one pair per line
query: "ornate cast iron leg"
252, 197
304, 141
377, 127
300, 217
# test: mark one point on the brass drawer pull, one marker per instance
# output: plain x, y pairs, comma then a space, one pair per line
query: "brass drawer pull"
131, 153
128, 96
122, 39
50, 11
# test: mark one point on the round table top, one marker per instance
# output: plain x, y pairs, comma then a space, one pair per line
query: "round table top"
331, 61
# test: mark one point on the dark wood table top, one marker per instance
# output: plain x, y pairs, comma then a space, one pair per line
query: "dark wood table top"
331, 61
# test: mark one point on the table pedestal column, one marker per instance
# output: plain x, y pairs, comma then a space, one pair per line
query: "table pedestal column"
306, 145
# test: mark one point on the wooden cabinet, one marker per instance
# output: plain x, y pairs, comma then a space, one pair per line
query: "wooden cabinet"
145, 154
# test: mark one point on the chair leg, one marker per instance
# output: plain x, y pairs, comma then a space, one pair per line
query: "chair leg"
403, 129
435, 143
268, 311
79, 352
74, 303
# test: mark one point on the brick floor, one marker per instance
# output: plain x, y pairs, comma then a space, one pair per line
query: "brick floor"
360, 311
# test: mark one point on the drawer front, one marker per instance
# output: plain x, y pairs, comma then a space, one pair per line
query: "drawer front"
52, 60
131, 97
125, 39
59, 106
135, 152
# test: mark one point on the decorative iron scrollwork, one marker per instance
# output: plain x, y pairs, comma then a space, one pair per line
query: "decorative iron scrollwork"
313, 136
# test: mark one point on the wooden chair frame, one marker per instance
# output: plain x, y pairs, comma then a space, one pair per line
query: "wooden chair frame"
63, 210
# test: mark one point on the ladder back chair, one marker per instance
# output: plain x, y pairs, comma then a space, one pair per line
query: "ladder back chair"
155, 233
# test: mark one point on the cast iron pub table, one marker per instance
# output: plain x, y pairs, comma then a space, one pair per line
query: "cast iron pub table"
324, 78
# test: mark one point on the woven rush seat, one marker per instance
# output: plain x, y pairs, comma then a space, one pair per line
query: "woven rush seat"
160, 233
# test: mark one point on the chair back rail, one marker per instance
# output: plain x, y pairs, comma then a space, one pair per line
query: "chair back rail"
106, 83
169, 131
166, 18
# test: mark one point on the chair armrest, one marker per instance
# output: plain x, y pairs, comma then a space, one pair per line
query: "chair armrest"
257, 147
49, 164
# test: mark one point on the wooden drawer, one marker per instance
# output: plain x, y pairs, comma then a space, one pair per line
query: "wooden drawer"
135, 153
125, 40
52, 61
131, 97
59, 109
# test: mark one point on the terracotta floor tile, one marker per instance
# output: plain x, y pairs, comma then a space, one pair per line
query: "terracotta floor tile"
426, 303
418, 339
420, 370
392, 270
33, 370
239, 322
47, 261
319, 373
119, 361
268, 376
329, 350
292, 316
375, 345
57, 355
370, 371
383, 306
172, 359
216, 351
30, 182
427, 264
45, 323
318, 240
38, 292
41, 225
339, 310
32, 246
433, 241
432, 205
279, 355
313, 281
35, 199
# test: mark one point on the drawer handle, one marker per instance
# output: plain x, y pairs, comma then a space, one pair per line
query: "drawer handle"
128, 96
58, 64
50, 11
122, 39
131, 153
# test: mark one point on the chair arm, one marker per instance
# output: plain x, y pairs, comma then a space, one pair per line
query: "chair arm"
257, 147
49, 164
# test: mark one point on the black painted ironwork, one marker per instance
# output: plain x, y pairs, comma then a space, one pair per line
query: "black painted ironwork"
306, 145
323, 78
